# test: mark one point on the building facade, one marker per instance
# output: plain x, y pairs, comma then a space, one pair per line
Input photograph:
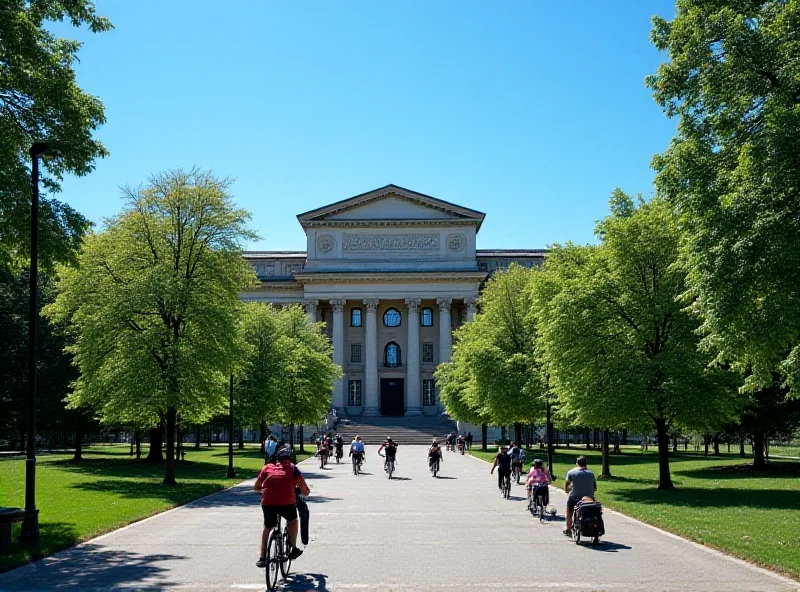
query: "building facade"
391, 273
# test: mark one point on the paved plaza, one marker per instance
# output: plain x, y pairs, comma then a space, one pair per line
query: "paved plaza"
412, 533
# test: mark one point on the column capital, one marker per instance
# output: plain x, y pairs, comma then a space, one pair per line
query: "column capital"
471, 301
444, 304
309, 303
338, 305
413, 304
371, 303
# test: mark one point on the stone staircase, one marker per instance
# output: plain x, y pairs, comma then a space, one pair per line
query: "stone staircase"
403, 430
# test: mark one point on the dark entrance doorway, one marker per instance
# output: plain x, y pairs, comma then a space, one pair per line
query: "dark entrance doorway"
392, 402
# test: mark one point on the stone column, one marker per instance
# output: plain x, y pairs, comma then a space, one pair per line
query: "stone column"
339, 399
413, 390
470, 302
371, 359
445, 329
311, 309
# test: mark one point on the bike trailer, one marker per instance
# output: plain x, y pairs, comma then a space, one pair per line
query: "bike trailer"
591, 517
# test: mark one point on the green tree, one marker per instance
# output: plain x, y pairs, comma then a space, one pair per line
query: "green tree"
620, 347
498, 347
154, 305
307, 371
732, 79
40, 101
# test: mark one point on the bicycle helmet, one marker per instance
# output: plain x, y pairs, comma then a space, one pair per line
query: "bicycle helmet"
537, 462
283, 453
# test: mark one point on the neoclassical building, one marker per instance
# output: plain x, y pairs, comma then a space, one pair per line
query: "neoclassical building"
391, 273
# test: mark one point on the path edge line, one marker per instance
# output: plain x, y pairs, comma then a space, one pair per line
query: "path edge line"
743, 562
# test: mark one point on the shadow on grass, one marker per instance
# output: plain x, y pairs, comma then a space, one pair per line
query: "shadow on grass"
192, 470
93, 567
179, 494
775, 470
53, 536
696, 497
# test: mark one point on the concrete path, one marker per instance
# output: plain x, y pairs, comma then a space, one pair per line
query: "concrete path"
413, 533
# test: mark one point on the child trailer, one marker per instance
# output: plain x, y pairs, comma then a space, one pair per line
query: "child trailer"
587, 522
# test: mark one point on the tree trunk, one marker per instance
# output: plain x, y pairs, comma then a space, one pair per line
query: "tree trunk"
715, 440
178, 438
675, 442
208, 433
169, 472
301, 438
557, 438
617, 449
706, 439
741, 448
156, 441
484, 436
262, 434
518, 434
550, 442
137, 436
78, 442
197, 436
759, 462
586, 434
664, 478
606, 472
291, 435
624, 437
241, 438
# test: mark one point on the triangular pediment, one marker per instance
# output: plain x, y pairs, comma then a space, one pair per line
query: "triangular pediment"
390, 203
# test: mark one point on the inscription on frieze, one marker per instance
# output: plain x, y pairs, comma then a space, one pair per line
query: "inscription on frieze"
390, 242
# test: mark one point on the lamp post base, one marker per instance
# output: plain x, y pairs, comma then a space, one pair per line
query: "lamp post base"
30, 527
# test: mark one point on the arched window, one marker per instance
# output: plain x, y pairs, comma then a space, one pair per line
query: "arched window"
355, 317
391, 355
391, 318
427, 317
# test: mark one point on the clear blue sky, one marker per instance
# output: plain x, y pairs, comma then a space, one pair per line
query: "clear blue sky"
530, 111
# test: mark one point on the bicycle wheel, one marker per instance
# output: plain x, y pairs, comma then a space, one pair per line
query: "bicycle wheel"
540, 506
435, 468
273, 561
286, 563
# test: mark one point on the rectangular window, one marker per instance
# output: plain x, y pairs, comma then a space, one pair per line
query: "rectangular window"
427, 353
354, 393
428, 392
355, 317
355, 353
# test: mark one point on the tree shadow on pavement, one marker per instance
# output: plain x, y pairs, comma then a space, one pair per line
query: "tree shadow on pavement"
53, 536
321, 499
92, 567
306, 582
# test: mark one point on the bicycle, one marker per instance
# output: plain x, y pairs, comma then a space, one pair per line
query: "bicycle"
390, 467
339, 454
516, 470
277, 555
536, 503
434, 467
506, 489
356, 463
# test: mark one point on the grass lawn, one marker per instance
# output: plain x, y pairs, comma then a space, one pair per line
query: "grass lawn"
109, 489
717, 501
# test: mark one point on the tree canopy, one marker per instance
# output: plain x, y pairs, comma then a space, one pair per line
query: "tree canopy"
41, 101
620, 347
288, 375
153, 304
733, 81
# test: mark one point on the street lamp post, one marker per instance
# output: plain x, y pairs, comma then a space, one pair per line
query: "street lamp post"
30, 524
231, 472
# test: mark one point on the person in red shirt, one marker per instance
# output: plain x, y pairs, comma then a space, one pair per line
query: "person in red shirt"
276, 483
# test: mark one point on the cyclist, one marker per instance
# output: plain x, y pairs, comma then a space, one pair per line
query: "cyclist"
391, 452
339, 443
538, 477
276, 483
270, 447
434, 454
462, 443
580, 483
502, 461
517, 457
357, 450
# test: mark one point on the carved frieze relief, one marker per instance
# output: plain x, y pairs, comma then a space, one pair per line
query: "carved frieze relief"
359, 243
456, 242
325, 243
